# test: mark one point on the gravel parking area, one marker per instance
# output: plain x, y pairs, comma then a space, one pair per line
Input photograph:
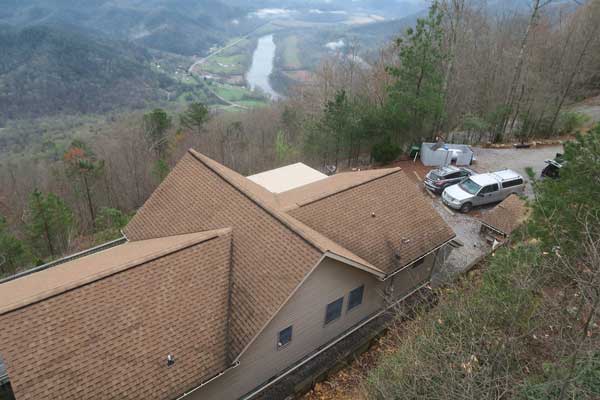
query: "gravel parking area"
489, 160
467, 226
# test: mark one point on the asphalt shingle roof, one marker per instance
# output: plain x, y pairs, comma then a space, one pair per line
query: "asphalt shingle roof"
386, 220
110, 337
211, 257
507, 216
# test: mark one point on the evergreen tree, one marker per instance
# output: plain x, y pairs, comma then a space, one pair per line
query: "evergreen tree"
83, 165
156, 124
49, 223
336, 133
13, 253
416, 99
563, 204
195, 117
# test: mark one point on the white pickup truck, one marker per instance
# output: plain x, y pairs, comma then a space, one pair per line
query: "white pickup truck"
482, 189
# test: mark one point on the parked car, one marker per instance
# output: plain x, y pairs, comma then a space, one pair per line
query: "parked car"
483, 189
439, 179
552, 170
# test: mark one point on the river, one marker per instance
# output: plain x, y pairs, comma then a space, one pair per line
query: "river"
262, 66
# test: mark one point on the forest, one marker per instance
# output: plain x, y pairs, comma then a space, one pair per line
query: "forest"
465, 71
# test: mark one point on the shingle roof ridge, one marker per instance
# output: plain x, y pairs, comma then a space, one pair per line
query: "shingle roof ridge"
195, 238
312, 237
388, 171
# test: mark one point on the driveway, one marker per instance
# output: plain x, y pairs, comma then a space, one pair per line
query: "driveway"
489, 160
467, 226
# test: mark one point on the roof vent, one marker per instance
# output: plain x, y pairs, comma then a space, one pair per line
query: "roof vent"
373, 214
405, 240
170, 360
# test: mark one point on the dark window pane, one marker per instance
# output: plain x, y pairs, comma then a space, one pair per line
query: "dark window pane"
490, 188
356, 297
334, 310
285, 336
512, 183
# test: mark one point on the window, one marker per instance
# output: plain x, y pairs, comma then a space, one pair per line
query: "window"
285, 337
469, 186
515, 182
490, 188
453, 175
334, 310
356, 297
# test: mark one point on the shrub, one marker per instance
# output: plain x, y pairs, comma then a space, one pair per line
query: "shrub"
385, 152
569, 122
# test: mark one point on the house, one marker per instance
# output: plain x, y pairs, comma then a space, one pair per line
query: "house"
441, 154
221, 286
503, 219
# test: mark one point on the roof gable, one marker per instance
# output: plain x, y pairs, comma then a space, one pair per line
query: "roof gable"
386, 221
269, 258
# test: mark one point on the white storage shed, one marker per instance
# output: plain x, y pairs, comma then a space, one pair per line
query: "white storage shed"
443, 154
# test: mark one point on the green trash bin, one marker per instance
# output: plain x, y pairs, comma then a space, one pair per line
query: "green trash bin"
414, 150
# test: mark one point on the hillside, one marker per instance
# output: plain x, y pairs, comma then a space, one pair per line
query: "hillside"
46, 71
179, 26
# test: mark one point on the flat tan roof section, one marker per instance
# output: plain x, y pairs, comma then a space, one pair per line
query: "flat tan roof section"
44, 284
286, 178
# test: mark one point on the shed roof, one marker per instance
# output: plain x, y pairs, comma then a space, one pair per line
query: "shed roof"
286, 178
507, 216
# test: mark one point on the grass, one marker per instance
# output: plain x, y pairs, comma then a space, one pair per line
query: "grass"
290, 53
226, 65
230, 92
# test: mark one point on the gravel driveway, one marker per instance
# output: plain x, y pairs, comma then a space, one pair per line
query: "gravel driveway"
467, 226
489, 160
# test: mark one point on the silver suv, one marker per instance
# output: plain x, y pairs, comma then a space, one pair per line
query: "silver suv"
483, 189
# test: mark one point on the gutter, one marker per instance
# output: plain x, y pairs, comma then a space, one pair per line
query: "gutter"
63, 260
234, 365
330, 344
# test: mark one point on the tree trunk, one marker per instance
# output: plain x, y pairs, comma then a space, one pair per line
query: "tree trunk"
510, 100
572, 76
89, 202
48, 238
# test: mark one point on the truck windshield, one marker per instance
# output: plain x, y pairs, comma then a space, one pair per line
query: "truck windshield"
469, 186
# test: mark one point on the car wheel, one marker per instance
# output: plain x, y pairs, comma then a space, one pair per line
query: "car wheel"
465, 208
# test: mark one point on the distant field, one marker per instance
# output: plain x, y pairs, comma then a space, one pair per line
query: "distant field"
230, 92
290, 53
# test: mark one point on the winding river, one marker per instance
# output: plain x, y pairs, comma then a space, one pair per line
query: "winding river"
262, 66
